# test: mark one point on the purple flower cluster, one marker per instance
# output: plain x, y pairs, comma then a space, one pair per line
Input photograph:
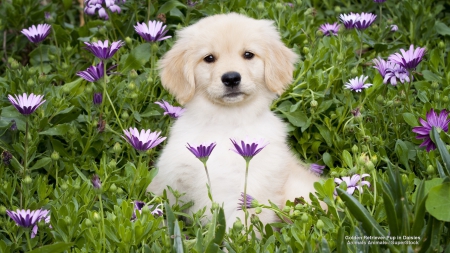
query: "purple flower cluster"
360, 21
99, 6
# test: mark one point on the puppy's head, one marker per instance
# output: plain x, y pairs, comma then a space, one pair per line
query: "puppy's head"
228, 58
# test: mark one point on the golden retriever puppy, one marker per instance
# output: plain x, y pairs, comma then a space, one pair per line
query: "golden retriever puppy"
226, 70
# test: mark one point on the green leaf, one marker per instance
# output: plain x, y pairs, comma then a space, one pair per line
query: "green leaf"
169, 5
347, 158
430, 76
441, 28
177, 244
325, 133
57, 130
438, 202
442, 150
410, 119
369, 224
296, 118
41, 163
54, 248
137, 57
327, 159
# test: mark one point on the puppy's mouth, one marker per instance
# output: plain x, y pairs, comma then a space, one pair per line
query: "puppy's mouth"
233, 94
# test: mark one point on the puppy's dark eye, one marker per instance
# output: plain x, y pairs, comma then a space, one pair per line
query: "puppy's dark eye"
248, 55
209, 59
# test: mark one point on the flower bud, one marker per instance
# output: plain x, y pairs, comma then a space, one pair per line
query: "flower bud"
149, 79
430, 169
2, 210
125, 115
355, 149
117, 148
305, 50
333, 116
15, 65
298, 207
69, 48
279, 6
260, 6
297, 213
109, 25
88, 89
112, 164
286, 209
113, 188
42, 77
215, 206
305, 217
51, 57
133, 74
134, 95
55, 156
67, 220
299, 2
337, 9
320, 224
27, 180
313, 103
254, 218
445, 99
354, 71
237, 225
88, 223
129, 41
370, 166
65, 66
102, 30
434, 85
258, 210
437, 97
374, 158
65, 90
30, 83
362, 159
96, 217
6, 157
380, 99
64, 186
441, 44
340, 57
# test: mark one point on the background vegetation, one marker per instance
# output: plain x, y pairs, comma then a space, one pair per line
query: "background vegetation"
70, 140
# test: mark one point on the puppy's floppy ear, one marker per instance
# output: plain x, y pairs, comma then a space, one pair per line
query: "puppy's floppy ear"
278, 63
177, 72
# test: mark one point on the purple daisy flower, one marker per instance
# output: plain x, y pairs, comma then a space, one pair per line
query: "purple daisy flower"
99, 6
390, 71
317, 168
202, 152
349, 20
93, 73
26, 104
248, 202
95, 180
102, 50
37, 34
433, 120
353, 183
144, 140
98, 98
364, 20
153, 31
172, 111
394, 28
248, 149
357, 84
408, 59
28, 218
330, 29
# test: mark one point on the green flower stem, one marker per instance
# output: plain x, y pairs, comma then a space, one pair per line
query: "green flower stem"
209, 181
27, 235
40, 49
107, 95
247, 162
103, 221
381, 17
135, 175
374, 176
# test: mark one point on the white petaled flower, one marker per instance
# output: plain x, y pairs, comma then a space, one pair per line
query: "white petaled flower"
153, 31
357, 84
144, 140
26, 104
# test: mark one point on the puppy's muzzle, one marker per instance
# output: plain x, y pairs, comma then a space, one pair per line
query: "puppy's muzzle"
231, 79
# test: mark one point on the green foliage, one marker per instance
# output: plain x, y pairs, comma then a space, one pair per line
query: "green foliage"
69, 139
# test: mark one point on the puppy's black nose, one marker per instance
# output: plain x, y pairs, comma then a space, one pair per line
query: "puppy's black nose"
231, 79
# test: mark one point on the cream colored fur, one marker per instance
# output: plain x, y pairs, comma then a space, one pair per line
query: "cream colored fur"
210, 116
